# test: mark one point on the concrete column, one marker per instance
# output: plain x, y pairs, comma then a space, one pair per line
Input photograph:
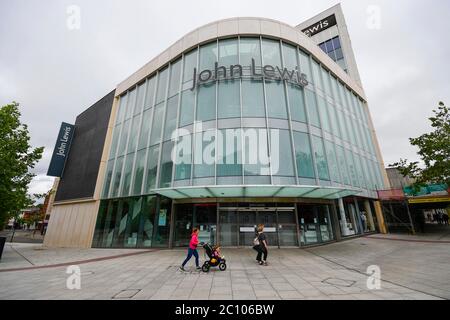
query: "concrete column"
380, 218
369, 215
344, 228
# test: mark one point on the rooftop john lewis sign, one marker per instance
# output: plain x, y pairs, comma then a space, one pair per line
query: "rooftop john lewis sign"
253, 72
323, 24
61, 151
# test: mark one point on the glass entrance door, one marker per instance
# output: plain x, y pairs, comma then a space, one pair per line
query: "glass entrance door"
183, 225
205, 218
287, 227
188, 216
269, 220
237, 225
247, 224
228, 228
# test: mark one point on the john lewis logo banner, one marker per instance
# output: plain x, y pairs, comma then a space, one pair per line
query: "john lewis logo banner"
252, 72
61, 151
320, 26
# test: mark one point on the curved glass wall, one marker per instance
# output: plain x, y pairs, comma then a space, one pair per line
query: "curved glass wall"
319, 134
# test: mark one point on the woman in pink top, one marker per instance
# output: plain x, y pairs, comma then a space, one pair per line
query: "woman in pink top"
192, 250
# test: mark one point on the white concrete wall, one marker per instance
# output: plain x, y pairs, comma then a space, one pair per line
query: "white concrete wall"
72, 225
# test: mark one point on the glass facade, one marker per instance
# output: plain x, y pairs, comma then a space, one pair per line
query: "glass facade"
324, 133
314, 136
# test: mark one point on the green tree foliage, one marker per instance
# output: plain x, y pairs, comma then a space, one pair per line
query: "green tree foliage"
16, 159
434, 151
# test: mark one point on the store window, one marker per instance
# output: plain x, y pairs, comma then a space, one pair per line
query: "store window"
122, 108
157, 123
152, 165
171, 118
147, 221
162, 85
187, 108
145, 129
190, 62
124, 138
150, 94
332, 161
161, 235
252, 99
321, 160
130, 104
322, 106
204, 154
116, 177
175, 73
315, 223
282, 164
166, 165
127, 171
230, 158
271, 52
206, 102
140, 98
134, 131
303, 155
296, 103
184, 158
229, 104
311, 105
276, 99
108, 178
139, 171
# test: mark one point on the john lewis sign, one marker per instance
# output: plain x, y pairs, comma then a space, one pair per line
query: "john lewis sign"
61, 151
253, 72
320, 26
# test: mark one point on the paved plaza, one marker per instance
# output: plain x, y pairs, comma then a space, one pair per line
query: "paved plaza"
411, 268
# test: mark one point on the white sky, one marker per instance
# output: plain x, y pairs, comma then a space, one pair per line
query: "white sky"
56, 73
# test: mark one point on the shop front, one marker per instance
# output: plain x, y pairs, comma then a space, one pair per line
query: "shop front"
144, 222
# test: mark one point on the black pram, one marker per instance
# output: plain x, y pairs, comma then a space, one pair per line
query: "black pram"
215, 259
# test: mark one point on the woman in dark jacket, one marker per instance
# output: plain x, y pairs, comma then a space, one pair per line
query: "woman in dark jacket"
261, 247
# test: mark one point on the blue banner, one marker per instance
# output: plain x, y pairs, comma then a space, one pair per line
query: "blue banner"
61, 151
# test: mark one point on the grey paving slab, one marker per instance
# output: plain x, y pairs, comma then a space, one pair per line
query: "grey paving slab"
335, 271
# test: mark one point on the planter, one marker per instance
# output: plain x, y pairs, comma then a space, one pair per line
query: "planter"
2, 245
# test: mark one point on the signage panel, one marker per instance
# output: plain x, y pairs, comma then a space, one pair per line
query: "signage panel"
323, 24
61, 151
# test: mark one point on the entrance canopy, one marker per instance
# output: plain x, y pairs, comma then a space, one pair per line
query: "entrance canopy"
256, 191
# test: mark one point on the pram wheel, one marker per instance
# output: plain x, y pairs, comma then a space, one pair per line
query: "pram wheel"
222, 266
205, 267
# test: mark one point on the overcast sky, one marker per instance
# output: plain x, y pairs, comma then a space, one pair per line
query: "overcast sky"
55, 72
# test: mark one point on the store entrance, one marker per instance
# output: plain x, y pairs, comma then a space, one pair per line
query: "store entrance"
201, 216
249, 219
237, 226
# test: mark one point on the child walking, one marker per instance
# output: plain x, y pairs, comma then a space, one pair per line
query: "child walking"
192, 251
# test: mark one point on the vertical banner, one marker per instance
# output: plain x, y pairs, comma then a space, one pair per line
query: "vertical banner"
61, 151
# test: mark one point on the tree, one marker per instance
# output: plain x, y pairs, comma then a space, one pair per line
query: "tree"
16, 159
434, 151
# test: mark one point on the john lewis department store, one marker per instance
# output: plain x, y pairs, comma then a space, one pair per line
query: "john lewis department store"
155, 157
